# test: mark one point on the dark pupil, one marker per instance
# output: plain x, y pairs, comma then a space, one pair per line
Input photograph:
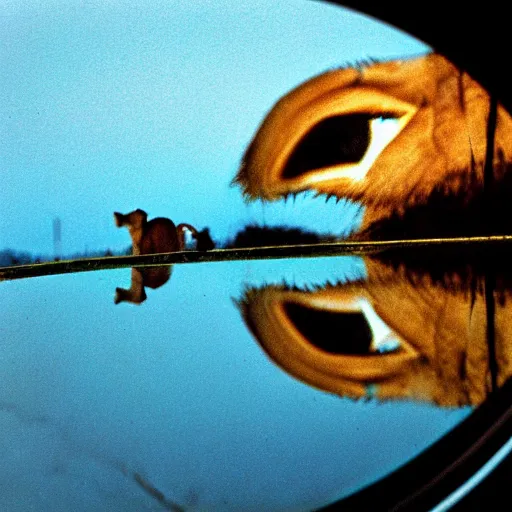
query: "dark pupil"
335, 140
336, 333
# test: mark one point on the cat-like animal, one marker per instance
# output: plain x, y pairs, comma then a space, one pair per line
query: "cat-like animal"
159, 235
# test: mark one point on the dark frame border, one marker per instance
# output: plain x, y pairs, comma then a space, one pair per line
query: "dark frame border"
477, 40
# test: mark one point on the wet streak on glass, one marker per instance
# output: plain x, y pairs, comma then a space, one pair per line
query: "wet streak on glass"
331, 249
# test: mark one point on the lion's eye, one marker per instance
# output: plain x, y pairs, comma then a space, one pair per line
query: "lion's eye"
339, 139
357, 331
331, 331
354, 140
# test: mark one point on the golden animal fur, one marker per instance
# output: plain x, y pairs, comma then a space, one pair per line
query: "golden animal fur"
317, 137
439, 352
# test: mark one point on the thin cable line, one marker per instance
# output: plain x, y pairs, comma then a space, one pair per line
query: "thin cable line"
252, 253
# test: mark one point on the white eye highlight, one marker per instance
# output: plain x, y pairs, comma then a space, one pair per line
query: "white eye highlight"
382, 131
384, 340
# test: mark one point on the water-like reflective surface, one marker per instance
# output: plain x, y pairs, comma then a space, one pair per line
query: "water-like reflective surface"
178, 391
264, 385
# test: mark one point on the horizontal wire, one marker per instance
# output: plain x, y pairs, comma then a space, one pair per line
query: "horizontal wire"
346, 248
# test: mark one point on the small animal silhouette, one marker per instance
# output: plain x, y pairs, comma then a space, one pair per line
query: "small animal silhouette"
159, 235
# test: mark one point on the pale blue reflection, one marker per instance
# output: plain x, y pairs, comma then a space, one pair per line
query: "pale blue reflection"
178, 391
476, 479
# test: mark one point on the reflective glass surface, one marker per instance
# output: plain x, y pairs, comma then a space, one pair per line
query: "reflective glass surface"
179, 393
214, 376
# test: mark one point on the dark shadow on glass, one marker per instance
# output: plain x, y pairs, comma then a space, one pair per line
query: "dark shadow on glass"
254, 235
159, 235
444, 467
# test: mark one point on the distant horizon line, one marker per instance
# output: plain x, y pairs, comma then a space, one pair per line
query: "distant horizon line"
330, 249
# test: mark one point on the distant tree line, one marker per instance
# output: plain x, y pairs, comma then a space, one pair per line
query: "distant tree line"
9, 257
251, 235
263, 236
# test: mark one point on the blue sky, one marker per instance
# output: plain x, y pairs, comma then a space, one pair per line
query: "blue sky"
114, 105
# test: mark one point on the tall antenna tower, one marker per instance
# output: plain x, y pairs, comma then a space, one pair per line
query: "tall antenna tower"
57, 248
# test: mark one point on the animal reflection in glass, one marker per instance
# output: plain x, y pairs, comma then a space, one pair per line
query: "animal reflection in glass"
387, 337
408, 140
159, 235
389, 135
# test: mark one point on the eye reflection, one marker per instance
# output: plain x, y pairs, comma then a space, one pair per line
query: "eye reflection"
322, 328
398, 333
348, 328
